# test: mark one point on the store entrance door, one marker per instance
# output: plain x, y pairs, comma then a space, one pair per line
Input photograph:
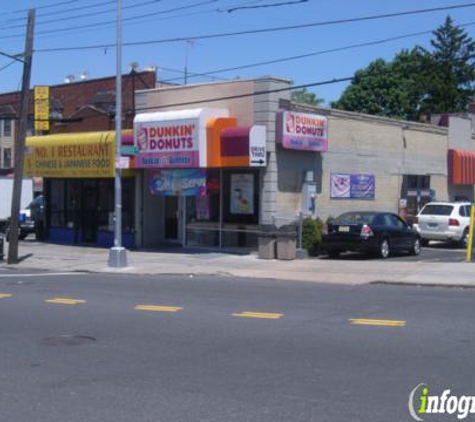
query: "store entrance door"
172, 219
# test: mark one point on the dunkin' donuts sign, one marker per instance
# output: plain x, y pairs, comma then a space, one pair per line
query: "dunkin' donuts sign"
302, 131
168, 144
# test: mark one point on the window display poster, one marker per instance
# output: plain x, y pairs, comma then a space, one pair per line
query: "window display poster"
242, 193
352, 186
202, 208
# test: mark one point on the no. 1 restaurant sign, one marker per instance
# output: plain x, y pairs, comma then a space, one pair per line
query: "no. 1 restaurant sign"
173, 139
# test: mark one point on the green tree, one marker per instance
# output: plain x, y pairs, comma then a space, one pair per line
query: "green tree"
305, 97
390, 89
418, 81
452, 65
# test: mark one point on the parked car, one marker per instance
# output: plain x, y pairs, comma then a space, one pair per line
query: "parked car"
446, 221
31, 219
370, 232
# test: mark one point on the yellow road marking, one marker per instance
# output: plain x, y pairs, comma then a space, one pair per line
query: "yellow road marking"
378, 322
156, 308
65, 301
5, 295
264, 315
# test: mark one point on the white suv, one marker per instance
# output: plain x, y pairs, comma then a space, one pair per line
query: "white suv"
449, 221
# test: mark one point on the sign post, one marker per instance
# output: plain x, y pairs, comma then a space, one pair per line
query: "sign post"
117, 254
470, 234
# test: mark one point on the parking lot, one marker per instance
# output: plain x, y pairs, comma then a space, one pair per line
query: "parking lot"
435, 252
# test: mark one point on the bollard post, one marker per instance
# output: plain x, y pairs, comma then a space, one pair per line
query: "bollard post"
470, 234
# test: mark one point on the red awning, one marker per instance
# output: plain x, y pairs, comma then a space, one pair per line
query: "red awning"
461, 166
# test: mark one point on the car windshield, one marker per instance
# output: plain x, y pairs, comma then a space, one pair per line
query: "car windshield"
435, 209
355, 218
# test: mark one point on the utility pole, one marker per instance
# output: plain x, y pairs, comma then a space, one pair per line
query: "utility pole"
117, 254
20, 135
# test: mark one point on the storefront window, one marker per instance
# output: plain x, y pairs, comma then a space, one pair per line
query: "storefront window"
241, 208
416, 192
128, 204
106, 205
87, 206
73, 204
56, 203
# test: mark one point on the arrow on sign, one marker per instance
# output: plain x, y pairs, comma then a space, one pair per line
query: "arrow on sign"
261, 161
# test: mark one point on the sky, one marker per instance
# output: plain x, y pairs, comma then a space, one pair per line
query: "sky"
162, 20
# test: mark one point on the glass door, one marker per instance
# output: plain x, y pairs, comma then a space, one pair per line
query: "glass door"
171, 218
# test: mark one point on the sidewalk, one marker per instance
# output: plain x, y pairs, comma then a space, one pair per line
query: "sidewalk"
60, 258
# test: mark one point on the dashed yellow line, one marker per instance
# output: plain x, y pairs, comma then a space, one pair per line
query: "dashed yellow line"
157, 308
378, 322
263, 315
5, 295
65, 301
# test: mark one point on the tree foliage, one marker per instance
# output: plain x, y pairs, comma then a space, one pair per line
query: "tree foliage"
418, 81
305, 97
452, 83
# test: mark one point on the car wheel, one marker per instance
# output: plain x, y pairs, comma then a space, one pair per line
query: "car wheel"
22, 236
416, 247
384, 249
333, 253
424, 242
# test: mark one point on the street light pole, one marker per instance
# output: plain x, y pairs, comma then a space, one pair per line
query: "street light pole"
117, 254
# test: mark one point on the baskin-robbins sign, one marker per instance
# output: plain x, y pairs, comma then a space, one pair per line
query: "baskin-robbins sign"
173, 139
180, 182
302, 131
352, 186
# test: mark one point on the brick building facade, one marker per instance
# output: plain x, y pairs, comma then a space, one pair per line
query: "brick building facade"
82, 106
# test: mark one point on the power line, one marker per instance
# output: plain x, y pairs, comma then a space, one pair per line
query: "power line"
169, 69
284, 3
252, 94
57, 12
131, 18
86, 15
13, 57
49, 6
8, 65
230, 97
311, 54
259, 31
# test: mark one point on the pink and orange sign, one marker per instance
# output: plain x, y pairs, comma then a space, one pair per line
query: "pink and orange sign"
168, 144
302, 131
173, 139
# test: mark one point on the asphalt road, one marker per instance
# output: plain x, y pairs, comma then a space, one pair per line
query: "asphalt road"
435, 252
76, 348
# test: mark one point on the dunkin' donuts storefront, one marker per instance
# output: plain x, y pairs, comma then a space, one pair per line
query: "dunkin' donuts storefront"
201, 178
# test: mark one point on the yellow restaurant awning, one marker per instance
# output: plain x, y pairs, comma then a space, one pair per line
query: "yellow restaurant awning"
89, 154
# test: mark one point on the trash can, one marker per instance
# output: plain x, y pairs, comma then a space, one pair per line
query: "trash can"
287, 242
2, 244
266, 242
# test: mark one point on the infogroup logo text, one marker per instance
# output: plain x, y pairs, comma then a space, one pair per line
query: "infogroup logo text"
422, 404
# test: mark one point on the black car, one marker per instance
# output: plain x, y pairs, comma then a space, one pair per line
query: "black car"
370, 232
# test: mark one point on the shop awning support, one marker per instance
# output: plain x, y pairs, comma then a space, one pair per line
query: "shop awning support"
117, 254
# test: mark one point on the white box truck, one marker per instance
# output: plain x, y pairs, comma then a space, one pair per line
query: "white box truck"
6, 192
